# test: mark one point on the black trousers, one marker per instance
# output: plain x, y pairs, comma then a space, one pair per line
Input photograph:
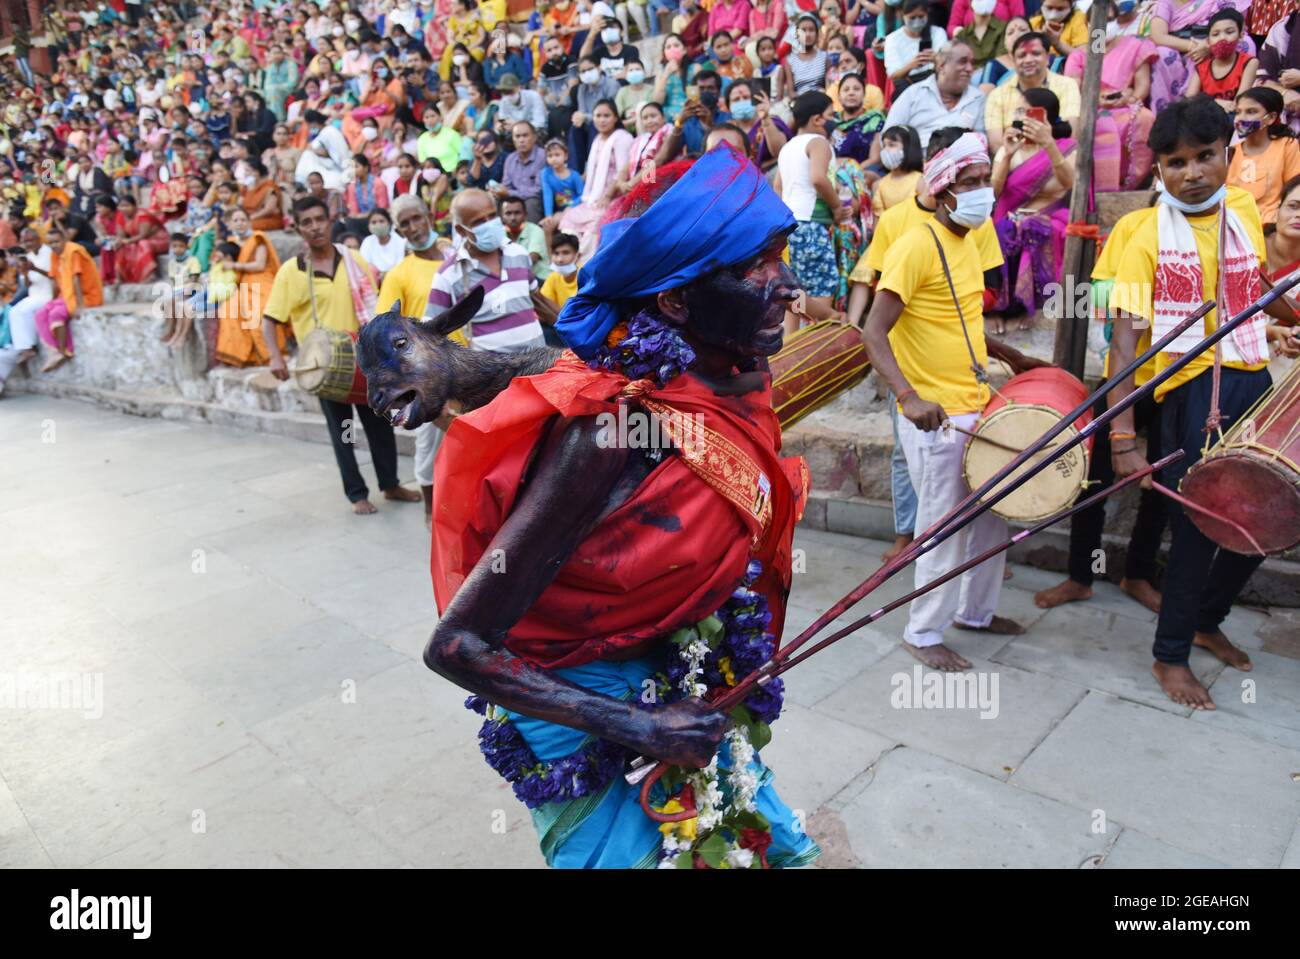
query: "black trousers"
383, 447
1086, 527
1202, 580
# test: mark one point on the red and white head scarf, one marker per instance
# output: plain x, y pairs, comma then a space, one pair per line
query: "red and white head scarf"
944, 166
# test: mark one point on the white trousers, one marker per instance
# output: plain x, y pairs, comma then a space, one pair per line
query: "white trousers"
427, 440
934, 464
22, 321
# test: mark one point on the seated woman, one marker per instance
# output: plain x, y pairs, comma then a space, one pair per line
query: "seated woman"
1266, 156
141, 239
384, 96
1033, 173
1227, 70
1003, 66
857, 127
653, 129
1283, 246
364, 194
609, 154
1121, 158
751, 110
259, 197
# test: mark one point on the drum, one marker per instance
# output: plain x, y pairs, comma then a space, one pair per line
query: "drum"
1027, 407
1251, 477
817, 364
327, 366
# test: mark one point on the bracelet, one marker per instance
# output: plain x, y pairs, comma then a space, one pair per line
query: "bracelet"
904, 395
1131, 449
1120, 435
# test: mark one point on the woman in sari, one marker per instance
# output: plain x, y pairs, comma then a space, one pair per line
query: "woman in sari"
1033, 173
609, 154
435, 31
850, 237
857, 129
1283, 245
279, 78
384, 96
464, 29
141, 239
1121, 157
481, 112
1180, 29
282, 159
107, 225
259, 197
450, 107
239, 336
168, 192
653, 127
1003, 66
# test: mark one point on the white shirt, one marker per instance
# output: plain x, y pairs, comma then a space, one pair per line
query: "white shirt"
40, 288
383, 256
796, 176
901, 47
335, 144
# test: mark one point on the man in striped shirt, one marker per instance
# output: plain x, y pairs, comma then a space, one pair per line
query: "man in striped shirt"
507, 321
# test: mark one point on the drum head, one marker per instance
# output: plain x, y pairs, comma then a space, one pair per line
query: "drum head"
1260, 496
1052, 489
313, 364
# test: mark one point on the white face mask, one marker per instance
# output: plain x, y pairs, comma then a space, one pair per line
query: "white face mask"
983, 7
459, 59
891, 159
609, 35
564, 269
973, 207
1112, 29
589, 77
369, 133
1055, 15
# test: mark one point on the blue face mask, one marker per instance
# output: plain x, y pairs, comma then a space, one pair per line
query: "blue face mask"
490, 236
743, 110
973, 207
1206, 204
1126, 7
421, 247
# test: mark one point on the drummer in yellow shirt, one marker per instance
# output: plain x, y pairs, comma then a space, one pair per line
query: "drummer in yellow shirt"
923, 342
1190, 141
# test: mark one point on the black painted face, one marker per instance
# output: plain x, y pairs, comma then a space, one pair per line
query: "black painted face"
741, 309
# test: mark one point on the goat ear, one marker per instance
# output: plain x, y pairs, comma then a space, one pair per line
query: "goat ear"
396, 307
460, 314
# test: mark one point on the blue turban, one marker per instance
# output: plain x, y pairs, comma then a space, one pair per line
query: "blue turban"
720, 213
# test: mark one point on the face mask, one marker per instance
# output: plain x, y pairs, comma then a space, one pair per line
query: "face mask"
380, 229
743, 110
434, 127
381, 72
1212, 201
891, 159
973, 207
369, 133
609, 35
564, 269
1083, 6
1246, 127
338, 31
490, 236
459, 59
983, 7
1055, 16
916, 24
242, 232
636, 77
430, 176
1112, 29
352, 23
462, 93
589, 77
674, 55
1222, 49
421, 247
833, 57
248, 179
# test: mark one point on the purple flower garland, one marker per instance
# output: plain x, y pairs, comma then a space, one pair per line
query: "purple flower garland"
745, 642
652, 349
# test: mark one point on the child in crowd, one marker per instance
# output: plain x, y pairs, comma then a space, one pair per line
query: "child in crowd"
562, 282
561, 187
206, 299
1227, 71
1266, 156
900, 154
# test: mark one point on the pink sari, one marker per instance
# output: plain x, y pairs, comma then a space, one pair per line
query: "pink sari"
1121, 157
1033, 244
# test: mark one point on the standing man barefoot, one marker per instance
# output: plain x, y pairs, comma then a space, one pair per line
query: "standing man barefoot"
341, 296
915, 337
1171, 264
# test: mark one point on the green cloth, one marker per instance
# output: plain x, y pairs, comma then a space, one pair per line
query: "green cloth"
989, 47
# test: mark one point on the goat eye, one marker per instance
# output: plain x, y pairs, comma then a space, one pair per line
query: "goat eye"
399, 343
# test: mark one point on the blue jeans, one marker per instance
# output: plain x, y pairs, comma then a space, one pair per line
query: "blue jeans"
900, 484
654, 6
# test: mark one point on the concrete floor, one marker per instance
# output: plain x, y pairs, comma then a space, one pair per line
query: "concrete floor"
263, 700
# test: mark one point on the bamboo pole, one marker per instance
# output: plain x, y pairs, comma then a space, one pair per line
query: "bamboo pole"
1071, 347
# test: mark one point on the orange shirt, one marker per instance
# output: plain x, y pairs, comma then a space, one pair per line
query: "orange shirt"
75, 261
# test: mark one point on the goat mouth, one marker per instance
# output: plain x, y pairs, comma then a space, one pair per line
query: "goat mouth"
401, 411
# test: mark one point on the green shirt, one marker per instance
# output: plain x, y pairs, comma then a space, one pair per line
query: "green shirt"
443, 146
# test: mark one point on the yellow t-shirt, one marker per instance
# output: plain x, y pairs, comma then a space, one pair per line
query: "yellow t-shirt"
410, 282
1104, 269
1075, 31
1000, 107
927, 339
289, 301
558, 288
1134, 287
898, 220
892, 190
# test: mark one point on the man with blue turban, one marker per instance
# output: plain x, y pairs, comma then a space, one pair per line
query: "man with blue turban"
612, 539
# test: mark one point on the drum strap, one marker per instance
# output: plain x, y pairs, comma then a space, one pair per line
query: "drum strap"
1214, 421
981, 374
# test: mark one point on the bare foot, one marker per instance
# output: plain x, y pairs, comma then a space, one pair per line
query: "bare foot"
24, 356
997, 323
54, 362
1007, 573
1181, 686
1218, 644
1026, 322
938, 657
1143, 592
402, 495
1067, 591
901, 542
363, 507
998, 626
